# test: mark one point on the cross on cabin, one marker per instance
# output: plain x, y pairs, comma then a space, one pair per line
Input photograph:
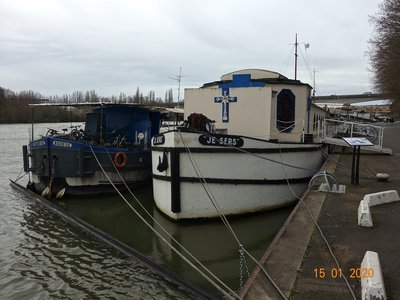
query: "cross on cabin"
225, 100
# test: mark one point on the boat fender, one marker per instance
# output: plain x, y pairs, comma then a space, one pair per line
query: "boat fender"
46, 192
60, 194
162, 165
120, 160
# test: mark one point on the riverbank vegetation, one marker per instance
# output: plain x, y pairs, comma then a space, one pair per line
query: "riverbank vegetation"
14, 107
384, 52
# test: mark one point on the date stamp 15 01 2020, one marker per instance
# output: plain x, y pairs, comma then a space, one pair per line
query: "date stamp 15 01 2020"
354, 273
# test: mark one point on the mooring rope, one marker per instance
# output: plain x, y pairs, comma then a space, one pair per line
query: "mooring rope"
343, 166
208, 192
230, 296
21, 176
327, 155
317, 225
223, 217
165, 231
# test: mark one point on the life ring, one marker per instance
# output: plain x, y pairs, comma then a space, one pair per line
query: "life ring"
120, 159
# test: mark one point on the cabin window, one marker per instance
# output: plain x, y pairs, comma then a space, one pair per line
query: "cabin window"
93, 125
285, 111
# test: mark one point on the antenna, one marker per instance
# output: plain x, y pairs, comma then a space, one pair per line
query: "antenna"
178, 79
295, 58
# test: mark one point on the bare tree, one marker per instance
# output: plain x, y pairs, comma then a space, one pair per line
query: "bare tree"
136, 98
169, 96
2, 93
384, 51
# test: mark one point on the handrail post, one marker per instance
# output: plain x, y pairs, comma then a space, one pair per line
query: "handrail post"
351, 130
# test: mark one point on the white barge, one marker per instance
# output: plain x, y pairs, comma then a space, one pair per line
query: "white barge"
256, 154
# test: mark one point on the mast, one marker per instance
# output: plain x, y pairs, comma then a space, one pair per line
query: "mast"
314, 84
295, 58
178, 79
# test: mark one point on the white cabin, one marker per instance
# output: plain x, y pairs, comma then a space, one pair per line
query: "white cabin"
257, 103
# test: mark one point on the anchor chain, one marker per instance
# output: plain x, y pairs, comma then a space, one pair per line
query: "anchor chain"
243, 263
47, 191
53, 169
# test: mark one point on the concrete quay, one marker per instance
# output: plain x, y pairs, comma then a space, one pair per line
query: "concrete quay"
298, 260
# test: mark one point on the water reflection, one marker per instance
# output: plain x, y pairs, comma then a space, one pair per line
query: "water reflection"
208, 240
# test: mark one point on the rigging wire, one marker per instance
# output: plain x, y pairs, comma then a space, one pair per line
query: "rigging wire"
230, 296
287, 61
306, 63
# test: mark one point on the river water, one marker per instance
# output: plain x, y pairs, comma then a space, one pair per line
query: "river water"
44, 257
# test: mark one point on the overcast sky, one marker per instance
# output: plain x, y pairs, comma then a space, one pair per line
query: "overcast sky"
113, 46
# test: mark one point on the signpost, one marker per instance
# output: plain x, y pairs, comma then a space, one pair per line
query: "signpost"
356, 143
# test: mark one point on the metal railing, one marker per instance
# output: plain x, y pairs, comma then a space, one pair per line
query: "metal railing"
330, 128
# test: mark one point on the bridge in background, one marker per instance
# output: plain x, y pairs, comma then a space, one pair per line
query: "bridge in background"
341, 99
